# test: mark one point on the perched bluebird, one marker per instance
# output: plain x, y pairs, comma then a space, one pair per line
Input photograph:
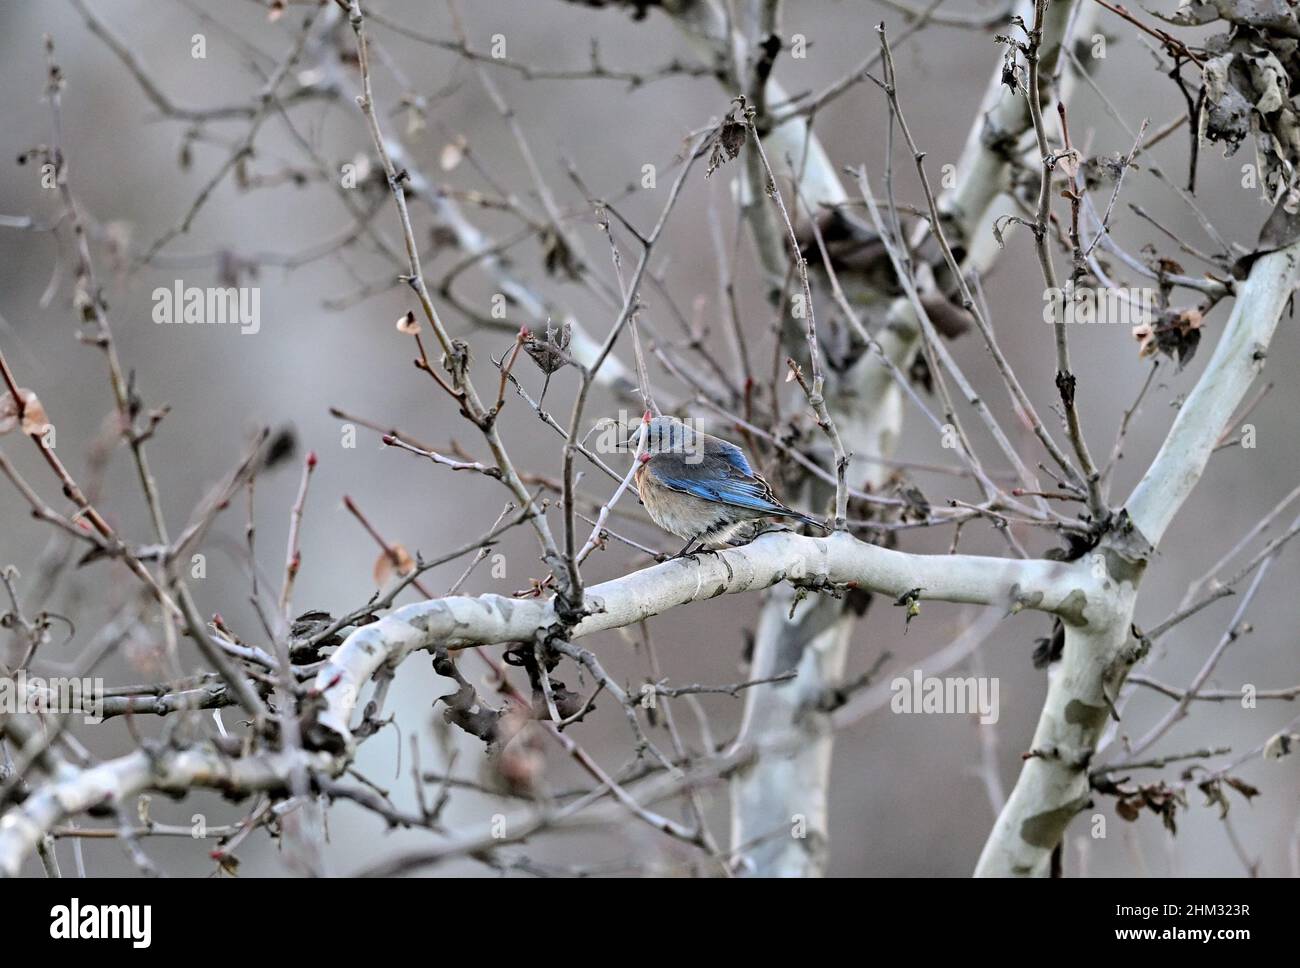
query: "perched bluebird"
700, 487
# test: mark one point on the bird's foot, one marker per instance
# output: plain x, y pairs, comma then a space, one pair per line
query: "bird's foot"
693, 553
686, 552
680, 556
692, 556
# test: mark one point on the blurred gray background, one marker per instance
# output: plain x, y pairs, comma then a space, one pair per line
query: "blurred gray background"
907, 795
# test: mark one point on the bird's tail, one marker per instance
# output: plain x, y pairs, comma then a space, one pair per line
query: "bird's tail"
800, 516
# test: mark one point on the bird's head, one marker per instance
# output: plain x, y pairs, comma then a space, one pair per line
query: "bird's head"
668, 435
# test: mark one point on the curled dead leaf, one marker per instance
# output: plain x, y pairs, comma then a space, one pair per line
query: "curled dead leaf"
396, 561
1069, 162
1176, 333
29, 417
550, 352
1145, 335
724, 143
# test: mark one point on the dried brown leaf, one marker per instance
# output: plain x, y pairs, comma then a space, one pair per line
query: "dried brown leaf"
31, 420
396, 561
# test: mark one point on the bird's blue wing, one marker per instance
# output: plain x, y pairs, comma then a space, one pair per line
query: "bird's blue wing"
734, 456
716, 478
